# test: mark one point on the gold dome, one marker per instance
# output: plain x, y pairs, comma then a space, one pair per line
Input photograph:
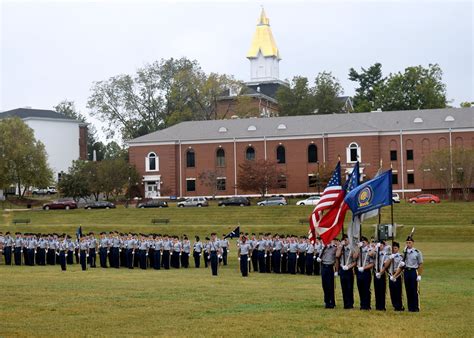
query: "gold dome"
263, 40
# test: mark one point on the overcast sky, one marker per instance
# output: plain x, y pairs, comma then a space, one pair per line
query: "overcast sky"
52, 50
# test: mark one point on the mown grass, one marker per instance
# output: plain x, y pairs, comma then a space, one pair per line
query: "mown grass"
43, 301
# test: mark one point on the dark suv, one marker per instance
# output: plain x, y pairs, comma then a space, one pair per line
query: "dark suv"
239, 201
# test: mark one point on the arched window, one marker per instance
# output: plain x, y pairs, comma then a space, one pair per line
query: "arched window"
250, 154
353, 153
281, 154
220, 157
312, 153
151, 162
190, 158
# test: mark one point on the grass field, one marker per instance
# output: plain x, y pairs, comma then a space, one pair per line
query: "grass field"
40, 301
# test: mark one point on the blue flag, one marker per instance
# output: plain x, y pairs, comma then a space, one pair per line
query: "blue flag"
371, 195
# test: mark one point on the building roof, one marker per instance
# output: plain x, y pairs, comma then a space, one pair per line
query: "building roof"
313, 125
263, 41
25, 113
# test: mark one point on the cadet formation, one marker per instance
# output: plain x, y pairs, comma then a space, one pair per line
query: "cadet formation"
265, 253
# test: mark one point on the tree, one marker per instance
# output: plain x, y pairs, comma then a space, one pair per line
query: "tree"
259, 176
322, 176
297, 98
463, 170
74, 183
466, 104
24, 159
369, 81
158, 95
326, 91
115, 175
208, 178
113, 150
245, 107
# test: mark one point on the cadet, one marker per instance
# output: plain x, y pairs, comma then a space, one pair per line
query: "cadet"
301, 255
176, 252
276, 254
31, 246
224, 243
412, 270
70, 253
158, 243
186, 251
328, 258
395, 282
197, 251
214, 251
18, 248
63, 249
103, 250
364, 266
254, 253
151, 250
92, 250
83, 252
268, 253
114, 258
317, 250
244, 250
143, 247
7, 248
262, 248
166, 252
309, 257
292, 252
380, 280
346, 271
284, 254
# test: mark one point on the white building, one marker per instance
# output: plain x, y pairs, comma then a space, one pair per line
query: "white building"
65, 139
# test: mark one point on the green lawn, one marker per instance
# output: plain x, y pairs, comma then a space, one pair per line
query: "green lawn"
40, 301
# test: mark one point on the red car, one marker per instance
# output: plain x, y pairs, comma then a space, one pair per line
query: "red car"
425, 198
60, 205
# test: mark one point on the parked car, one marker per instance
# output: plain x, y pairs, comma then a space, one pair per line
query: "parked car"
194, 202
44, 191
312, 200
425, 198
60, 205
100, 205
152, 204
239, 201
395, 197
273, 201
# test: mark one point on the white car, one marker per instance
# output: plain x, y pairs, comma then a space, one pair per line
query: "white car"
313, 200
395, 197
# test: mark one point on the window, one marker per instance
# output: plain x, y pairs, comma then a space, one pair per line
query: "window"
190, 158
220, 157
312, 153
222, 130
411, 178
353, 153
312, 181
281, 127
252, 128
394, 178
281, 154
190, 184
282, 182
393, 155
151, 162
221, 184
250, 154
409, 155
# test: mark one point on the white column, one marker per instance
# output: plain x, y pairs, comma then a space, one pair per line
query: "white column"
235, 169
402, 171
180, 172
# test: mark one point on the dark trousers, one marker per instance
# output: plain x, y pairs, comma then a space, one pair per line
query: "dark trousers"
206, 259
83, 259
136, 259
380, 287
166, 259
197, 259
309, 264
130, 255
327, 278
244, 267
254, 259
175, 260
411, 289
7, 251
103, 257
301, 263
51, 257
62, 260
31, 256
268, 263
347, 286
363, 285
41, 256
292, 263
25, 257
114, 258
157, 261
17, 256
317, 266
92, 257
261, 261
284, 263
224, 255
151, 257
122, 258
185, 259
143, 259
70, 257
396, 293
276, 261
214, 263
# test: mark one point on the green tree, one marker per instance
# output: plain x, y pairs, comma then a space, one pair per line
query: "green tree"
297, 98
465, 104
74, 183
24, 159
113, 150
326, 91
115, 176
369, 81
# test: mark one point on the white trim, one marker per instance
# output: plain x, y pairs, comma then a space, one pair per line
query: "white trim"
407, 190
402, 163
180, 172
235, 169
190, 178
53, 119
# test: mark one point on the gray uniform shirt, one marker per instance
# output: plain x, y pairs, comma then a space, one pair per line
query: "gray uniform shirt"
413, 258
328, 255
197, 247
245, 248
277, 245
293, 247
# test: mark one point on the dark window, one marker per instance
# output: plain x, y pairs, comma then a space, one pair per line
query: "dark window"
220, 157
312, 153
282, 182
190, 185
353, 154
312, 181
394, 178
250, 154
152, 161
409, 155
190, 159
411, 178
221, 184
393, 155
281, 154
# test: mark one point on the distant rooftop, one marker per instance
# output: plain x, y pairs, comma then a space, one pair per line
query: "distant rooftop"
25, 113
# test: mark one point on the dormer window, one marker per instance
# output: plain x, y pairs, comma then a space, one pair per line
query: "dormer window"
251, 128
418, 120
449, 118
222, 130
281, 127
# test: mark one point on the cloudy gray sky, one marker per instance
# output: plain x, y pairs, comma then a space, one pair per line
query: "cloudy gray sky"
53, 50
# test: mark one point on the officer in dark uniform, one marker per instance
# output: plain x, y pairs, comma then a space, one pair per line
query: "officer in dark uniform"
328, 260
412, 269
214, 251
346, 262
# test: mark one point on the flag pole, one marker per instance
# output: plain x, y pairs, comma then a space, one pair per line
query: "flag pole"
391, 212
342, 230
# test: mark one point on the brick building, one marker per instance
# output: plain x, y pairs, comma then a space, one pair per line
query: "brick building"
171, 160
